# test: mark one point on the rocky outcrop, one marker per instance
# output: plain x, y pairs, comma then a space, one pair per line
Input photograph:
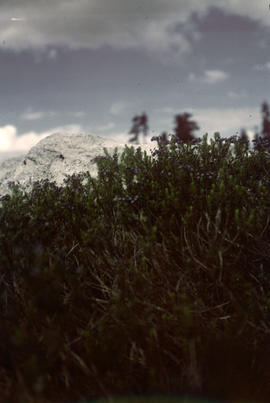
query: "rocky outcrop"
57, 156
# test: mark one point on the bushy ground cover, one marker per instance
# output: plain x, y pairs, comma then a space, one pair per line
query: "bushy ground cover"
153, 277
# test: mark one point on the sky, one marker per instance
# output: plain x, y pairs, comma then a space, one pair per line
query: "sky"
92, 65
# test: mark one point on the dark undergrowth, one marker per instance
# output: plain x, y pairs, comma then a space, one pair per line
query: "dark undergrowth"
153, 278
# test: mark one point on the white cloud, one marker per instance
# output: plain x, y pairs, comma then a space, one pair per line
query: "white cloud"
158, 38
30, 115
166, 110
118, 23
118, 107
214, 76
226, 121
124, 137
102, 128
209, 77
262, 67
78, 114
42, 115
235, 95
7, 137
37, 115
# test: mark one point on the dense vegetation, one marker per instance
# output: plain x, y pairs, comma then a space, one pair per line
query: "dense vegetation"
153, 277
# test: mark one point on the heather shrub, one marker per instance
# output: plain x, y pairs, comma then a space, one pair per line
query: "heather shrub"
151, 278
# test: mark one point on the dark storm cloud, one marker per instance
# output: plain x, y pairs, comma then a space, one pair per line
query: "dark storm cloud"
121, 24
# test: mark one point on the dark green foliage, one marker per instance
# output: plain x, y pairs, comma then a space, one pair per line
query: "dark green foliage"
152, 278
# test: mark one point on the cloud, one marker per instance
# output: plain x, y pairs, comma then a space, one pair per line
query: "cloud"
209, 77
92, 25
102, 128
119, 107
226, 121
12, 144
78, 114
149, 26
162, 41
37, 115
214, 76
30, 115
235, 95
123, 137
262, 67
7, 137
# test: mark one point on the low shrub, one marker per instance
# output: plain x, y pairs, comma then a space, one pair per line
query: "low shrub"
151, 278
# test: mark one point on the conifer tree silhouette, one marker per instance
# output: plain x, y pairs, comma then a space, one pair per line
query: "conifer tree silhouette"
266, 120
139, 125
184, 127
260, 141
